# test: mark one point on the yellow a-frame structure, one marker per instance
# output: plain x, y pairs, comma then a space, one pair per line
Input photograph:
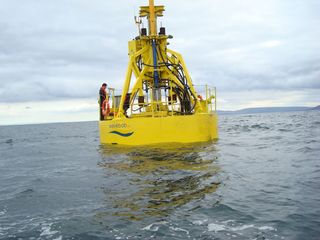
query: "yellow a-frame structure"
162, 104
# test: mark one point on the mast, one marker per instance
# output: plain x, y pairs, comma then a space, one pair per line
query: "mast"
153, 34
152, 19
162, 79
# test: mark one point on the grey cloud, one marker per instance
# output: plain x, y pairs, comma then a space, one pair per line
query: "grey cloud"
65, 49
303, 76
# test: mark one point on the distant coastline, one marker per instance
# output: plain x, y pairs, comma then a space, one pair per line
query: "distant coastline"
220, 112
268, 110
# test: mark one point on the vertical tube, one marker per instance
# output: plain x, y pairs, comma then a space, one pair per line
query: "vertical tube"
171, 97
125, 89
153, 34
113, 104
152, 18
152, 101
155, 63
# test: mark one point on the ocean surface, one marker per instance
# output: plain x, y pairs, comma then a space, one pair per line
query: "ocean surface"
260, 180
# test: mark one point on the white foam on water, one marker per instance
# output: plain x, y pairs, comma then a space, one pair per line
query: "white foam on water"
267, 228
148, 228
58, 238
3, 230
241, 228
47, 231
216, 227
153, 226
200, 222
179, 230
228, 221
3, 212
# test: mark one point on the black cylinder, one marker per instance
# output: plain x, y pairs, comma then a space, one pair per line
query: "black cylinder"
143, 32
162, 31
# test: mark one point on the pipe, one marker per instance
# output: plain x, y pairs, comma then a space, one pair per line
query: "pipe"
155, 63
152, 18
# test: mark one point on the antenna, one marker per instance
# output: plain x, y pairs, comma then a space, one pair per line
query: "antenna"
138, 21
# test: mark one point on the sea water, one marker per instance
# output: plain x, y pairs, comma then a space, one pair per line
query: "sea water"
260, 180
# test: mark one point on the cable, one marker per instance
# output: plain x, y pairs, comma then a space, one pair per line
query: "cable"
186, 92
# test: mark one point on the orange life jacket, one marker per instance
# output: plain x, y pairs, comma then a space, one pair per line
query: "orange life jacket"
105, 108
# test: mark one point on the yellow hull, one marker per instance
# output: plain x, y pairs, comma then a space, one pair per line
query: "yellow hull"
200, 127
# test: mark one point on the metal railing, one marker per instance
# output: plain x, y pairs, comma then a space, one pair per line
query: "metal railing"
167, 105
210, 94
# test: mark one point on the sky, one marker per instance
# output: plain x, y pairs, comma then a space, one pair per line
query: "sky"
54, 55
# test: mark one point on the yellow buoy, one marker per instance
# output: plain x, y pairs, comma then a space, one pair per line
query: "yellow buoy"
161, 105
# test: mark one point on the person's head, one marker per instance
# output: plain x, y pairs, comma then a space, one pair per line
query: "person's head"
104, 85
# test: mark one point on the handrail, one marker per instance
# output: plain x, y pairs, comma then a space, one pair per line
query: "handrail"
172, 106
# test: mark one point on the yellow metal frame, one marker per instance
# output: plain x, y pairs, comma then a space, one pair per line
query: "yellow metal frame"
159, 73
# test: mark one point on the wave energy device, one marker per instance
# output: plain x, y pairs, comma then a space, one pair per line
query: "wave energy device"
159, 103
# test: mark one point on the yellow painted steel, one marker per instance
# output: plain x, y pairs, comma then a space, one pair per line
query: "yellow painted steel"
159, 103
153, 130
152, 18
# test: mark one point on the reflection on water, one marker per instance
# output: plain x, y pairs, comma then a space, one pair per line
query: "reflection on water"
156, 180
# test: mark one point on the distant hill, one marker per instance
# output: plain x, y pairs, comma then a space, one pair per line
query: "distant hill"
316, 108
269, 110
